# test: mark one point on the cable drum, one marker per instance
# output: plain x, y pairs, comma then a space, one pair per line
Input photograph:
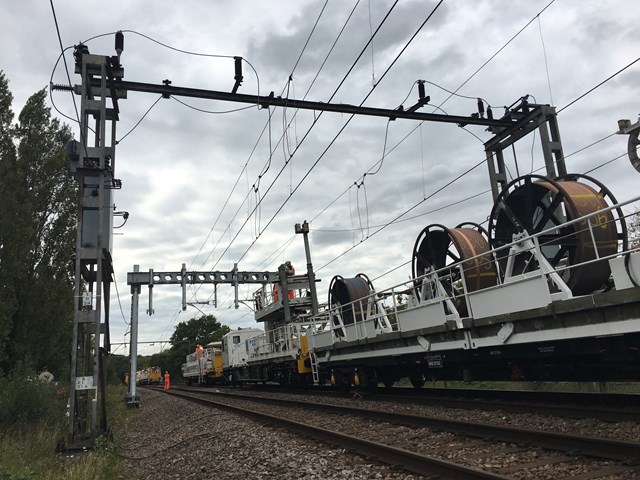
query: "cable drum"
438, 246
534, 203
350, 296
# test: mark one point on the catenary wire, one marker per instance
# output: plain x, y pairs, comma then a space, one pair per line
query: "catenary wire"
139, 121
303, 138
268, 123
498, 52
599, 85
346, 123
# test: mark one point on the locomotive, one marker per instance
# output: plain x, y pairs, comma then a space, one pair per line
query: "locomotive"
547, 291
204, 366
149, 376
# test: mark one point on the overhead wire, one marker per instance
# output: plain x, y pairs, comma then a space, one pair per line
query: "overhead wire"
454, 93
498, 51
267, 125
349, 119
329, 52
305, 136
139, 121
599, 84
391, 222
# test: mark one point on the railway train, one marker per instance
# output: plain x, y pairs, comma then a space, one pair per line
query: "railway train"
204, 365
149, 376
547, 290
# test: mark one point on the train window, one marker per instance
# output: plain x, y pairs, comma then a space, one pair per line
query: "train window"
236, 339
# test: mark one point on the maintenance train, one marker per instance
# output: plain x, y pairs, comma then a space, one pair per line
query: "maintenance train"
149, 376
548, 290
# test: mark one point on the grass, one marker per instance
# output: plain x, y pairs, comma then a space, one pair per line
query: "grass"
33, 420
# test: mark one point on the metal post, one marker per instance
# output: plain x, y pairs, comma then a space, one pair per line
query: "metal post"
132, 398
183, 281
304, 229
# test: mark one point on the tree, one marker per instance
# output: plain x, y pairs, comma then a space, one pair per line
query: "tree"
8, 264
37, 236
633, 229
198, 331
186, 336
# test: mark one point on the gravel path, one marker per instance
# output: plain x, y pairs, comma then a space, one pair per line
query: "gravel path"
172, 438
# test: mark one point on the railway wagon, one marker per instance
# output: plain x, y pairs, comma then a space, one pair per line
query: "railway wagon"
548, 291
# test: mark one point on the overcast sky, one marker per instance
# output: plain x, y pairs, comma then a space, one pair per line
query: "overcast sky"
179, 166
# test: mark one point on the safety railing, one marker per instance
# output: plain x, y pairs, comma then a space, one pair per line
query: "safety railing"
441, 296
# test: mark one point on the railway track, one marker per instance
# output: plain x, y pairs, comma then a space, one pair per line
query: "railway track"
600, 406
478, 443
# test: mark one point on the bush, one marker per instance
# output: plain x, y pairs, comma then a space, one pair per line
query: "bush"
26, 401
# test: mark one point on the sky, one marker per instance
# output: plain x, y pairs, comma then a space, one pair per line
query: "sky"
203, 188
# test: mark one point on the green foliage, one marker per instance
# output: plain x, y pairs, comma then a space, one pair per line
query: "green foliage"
117, 366
29, 451
198, 331
26, 401
633, 228
38, 195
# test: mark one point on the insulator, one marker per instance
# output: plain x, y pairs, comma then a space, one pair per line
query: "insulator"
481, 107
64, 88
238, 67
421, 92
119, 42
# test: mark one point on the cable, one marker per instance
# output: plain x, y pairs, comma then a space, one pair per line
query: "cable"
499, 50
139, 121
404, 213
309, 37
315, 78
598, 85
267, 124
350, 118
546, 64
590, 145
211, 111
605, 163
62, 50
119, 303
444, 207
306, 135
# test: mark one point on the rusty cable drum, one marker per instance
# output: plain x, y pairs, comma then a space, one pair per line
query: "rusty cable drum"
534, 203
344, 291
438, 246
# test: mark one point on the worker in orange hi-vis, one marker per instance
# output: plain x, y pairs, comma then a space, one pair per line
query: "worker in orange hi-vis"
166, 380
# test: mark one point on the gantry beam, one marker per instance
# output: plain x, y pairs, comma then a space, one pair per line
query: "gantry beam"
273, 101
